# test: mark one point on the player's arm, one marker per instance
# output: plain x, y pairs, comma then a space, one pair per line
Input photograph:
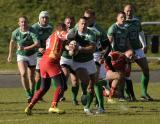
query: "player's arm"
12, 45
110, 34
109, 63
142, 38
34, 45
110, 38
88, 49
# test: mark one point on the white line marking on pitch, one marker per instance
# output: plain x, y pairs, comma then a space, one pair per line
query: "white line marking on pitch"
8, 120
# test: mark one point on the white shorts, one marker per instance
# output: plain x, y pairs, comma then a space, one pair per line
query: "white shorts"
66, 61
102, 73
37, 64
31, 60
90, 66
139, 53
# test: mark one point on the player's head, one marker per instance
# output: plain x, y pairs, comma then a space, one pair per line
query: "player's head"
128, 9
23, 22
43, 18
121, 17
69, 22
60, 27
91, 16
82, 24
61, 30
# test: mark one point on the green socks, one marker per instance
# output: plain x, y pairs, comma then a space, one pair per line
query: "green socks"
99, 93
28, 93
37, 85
90, 96
144, 83
74, 92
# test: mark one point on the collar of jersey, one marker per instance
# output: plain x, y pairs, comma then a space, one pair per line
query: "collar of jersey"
48, 26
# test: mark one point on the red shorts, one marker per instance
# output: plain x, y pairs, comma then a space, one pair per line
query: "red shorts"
49, 68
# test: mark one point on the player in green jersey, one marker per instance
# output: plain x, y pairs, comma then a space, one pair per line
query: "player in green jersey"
138, 43
118, 36
66, 63
43, 29
102, 47
27, 41
83, 62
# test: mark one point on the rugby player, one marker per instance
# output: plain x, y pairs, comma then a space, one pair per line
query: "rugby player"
27, 41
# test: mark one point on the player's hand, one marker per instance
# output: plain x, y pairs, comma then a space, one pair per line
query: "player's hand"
144, 49
73, 48
101, 60
41, 50
9, 59
129, 53
20, 47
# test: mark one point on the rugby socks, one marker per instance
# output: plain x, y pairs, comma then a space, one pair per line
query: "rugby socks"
90, 96
74, 90
84, 87
99, 93
56, 96
36, 97
32, 92
144, 83
129, 88
28, 93
37, 85
112, 91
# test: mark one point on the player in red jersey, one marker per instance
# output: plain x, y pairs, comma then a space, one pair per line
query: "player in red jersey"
116, 70
50, 69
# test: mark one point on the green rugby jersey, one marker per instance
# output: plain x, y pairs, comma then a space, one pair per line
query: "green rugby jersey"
65, 54
83, 40
43, 33
25, 39
120, 37
134, 27
101, 36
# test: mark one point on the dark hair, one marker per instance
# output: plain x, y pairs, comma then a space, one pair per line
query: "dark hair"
91, 12
83, 17
120, 12
70, 17
60, 27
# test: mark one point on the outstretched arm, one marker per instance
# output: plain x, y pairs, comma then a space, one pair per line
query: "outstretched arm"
11, 47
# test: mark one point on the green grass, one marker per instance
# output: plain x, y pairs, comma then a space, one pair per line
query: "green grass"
12, 104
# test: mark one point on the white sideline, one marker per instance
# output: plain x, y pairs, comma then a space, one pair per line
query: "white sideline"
14, 120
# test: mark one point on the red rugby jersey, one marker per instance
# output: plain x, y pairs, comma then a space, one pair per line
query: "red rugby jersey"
54, 45
118, 61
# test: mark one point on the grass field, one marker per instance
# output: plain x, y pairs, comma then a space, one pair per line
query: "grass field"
12, 104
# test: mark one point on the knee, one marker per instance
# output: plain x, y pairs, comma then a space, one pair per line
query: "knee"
23, 74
